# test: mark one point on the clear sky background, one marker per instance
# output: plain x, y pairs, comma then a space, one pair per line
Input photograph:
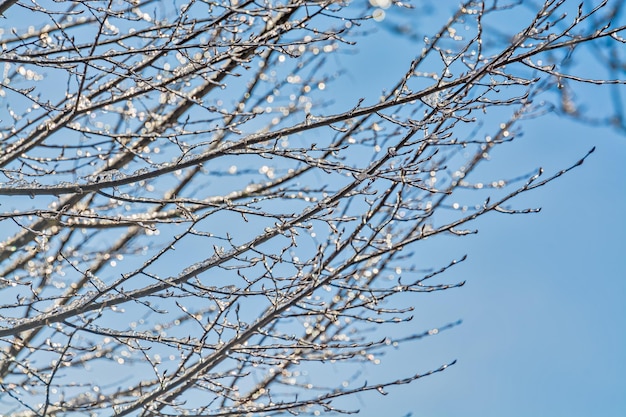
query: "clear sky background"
544, 307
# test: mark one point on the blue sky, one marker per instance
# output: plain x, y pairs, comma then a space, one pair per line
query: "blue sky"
544, 306
543, 309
